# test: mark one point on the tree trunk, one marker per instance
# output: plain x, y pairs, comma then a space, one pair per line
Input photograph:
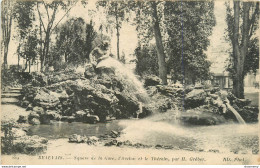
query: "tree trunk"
117, 44
7, 37
18, 62
237, 76
26, 63
41, 48
5, 56
240, 51
66, 57
29, 66
117, 34
45, 51
138, 19
6, 16
159, 46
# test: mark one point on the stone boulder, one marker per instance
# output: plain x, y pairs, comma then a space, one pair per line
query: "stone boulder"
114, 134
89, 71
28, 92
151, 90
53, 115
249, 114
146, 111
39, 79
172, 90
30, 145
38, 110
242, 102
110, 82
79, 115
24, 103
128, 105
77, 139
45, 119
15, 140
29, 107
195, 98
151, 81
39, 114
97, 98
33, 115
22, 119
46, 99
17, 133
64, 86
92, 140
34, 121
91, 119
71, 119
61, 76
202, 116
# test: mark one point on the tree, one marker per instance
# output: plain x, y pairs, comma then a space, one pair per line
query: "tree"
74, 41
24, 16
69, 40
50, 9
90, 37
146, 60
148, 25
6, 17
159, 45
117, 11
181, 31
28, 49
242, 23
188, 26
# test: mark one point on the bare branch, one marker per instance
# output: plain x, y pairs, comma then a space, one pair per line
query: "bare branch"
53, 17
40, 17
252, 20
62, 18
46, 8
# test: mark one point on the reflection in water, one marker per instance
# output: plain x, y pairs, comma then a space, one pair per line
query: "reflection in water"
64, 129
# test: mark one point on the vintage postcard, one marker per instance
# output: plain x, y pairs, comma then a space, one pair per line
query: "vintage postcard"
95, 82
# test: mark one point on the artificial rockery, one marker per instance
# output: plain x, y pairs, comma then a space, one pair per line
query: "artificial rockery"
94, 95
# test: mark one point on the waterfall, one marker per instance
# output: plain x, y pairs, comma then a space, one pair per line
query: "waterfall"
237, 115
127, 77
140, 109
135, 87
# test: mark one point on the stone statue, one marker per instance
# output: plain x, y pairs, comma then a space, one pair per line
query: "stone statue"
99, 53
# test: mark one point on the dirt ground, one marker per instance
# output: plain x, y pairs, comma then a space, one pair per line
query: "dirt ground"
61, 152
12, 112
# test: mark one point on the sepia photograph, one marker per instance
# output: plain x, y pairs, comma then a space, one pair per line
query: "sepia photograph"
129, 82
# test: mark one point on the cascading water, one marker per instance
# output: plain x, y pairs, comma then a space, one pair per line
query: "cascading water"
237, 115
140, 109
127, 77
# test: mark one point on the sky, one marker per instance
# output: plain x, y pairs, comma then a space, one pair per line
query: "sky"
128, 36
218, 46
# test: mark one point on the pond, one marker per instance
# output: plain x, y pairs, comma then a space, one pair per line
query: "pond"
58, 130
221, 138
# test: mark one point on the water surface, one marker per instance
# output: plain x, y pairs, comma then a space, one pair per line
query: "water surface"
220, 138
